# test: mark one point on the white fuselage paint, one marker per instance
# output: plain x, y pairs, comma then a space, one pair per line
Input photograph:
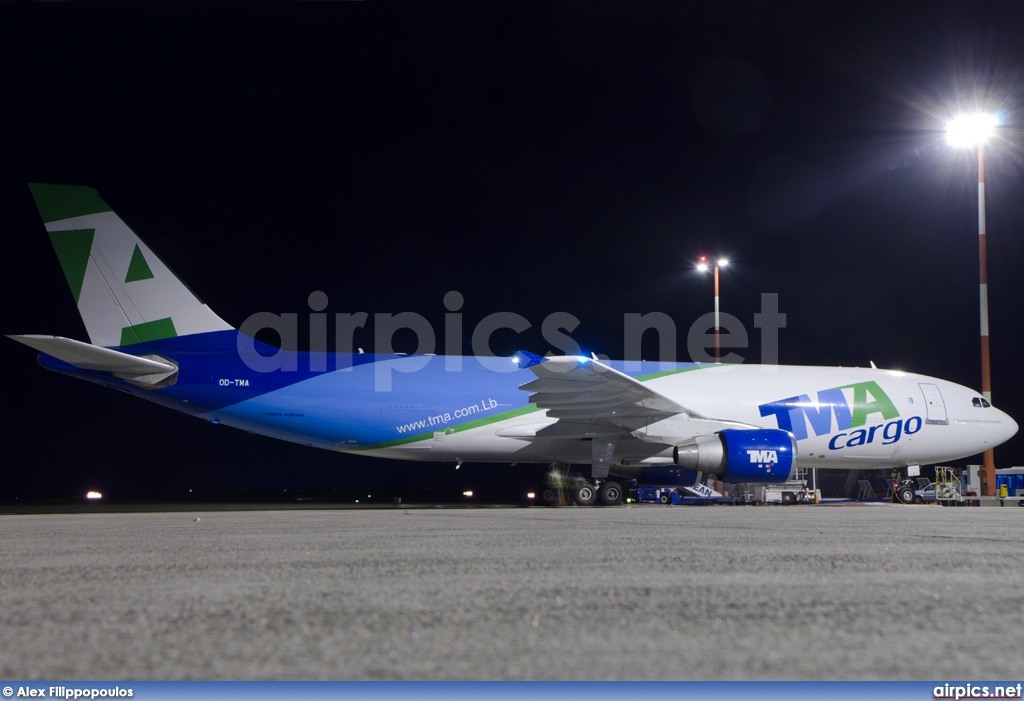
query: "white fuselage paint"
735, 393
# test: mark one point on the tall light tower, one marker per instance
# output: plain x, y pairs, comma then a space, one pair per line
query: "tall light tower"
704, 266
966, 131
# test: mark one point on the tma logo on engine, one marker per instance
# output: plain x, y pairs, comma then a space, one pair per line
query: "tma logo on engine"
851, 405
763, 456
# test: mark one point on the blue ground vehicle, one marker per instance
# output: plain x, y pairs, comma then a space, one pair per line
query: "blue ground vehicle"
672, 495
657, 495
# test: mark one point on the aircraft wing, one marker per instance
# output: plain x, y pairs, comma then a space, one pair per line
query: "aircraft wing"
592, 400
582, 389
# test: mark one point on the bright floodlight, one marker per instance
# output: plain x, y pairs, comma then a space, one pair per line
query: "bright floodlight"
722, 262
970, 129
703, 267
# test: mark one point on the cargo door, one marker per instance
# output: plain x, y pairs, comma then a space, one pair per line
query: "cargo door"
936, 408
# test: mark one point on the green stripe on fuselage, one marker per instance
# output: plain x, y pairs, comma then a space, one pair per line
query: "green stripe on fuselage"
666, 373
511, 414
448, 430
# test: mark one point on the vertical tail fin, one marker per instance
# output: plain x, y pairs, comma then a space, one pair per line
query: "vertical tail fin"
124, 293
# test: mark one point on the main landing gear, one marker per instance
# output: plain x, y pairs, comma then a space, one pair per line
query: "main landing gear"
606, 494
610, 493
562, 489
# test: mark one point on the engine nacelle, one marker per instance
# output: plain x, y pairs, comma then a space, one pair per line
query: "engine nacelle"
761, 455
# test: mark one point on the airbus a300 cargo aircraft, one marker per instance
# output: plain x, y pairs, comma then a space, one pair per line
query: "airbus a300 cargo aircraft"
658, 423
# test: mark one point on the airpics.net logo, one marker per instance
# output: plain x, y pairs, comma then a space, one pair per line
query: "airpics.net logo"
556, 329
978, 691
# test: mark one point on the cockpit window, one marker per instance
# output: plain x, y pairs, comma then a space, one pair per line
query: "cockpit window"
980, 402
984, 403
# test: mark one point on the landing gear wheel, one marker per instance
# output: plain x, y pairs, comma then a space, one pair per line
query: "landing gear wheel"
906, 495
585, 494
610, 493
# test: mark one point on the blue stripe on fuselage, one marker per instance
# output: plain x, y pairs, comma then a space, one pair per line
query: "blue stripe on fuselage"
347, 409
344, 409
341, 407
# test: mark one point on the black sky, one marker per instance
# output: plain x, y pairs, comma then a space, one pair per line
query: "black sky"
536, 157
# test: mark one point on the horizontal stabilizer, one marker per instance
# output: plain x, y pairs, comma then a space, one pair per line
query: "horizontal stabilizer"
86, 356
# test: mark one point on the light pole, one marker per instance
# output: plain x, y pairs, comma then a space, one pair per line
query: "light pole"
704, 266
966, 131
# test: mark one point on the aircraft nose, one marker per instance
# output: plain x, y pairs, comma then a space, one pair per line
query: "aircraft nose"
1004, 427
1009, 427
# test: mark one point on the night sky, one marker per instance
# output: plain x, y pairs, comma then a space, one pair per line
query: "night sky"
536, 157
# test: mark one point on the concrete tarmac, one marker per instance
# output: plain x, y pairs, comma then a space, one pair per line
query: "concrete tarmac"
637, 592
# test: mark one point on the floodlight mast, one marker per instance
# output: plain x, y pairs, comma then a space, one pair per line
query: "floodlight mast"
967, 131
703, 266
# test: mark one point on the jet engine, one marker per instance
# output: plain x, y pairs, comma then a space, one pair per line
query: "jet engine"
763, 455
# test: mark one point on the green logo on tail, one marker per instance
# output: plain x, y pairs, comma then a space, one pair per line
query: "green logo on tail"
138, 269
